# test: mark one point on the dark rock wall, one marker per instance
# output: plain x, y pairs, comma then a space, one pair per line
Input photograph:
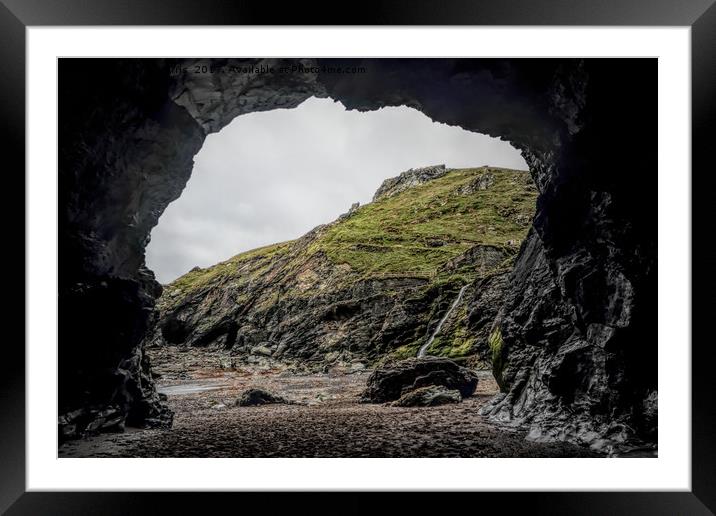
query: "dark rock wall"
579, 327
126, 152
127, 142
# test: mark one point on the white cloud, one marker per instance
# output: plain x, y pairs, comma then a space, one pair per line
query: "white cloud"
272, 176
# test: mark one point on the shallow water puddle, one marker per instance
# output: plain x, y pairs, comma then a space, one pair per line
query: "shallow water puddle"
191, 387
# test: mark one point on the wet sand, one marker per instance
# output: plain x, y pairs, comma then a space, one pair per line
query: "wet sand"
327, 420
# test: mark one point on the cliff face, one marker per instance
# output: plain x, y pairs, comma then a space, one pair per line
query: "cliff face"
576, 347
369, 286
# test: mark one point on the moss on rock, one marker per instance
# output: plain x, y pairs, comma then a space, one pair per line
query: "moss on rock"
498, 354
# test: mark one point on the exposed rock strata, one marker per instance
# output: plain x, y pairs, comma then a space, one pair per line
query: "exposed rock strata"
587, 128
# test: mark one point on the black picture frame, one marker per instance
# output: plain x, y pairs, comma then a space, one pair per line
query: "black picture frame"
700, 15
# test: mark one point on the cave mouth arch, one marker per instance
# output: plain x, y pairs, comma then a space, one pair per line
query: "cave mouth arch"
272, 176
129, 129
369, 262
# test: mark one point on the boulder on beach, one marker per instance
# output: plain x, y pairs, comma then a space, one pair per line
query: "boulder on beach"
428, 397
253, 397
390, 382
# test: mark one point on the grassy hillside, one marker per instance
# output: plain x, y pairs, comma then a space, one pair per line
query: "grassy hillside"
463, 226
422, 228
413, 233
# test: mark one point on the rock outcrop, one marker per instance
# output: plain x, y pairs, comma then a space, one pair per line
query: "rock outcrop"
393, 380
586, 365
409, 179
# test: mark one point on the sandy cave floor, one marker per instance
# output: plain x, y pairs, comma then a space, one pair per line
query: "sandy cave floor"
327, 421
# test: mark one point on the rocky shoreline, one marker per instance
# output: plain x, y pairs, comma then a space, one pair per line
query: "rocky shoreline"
325, 419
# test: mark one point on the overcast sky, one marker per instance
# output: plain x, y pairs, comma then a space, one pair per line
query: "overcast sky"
271, 177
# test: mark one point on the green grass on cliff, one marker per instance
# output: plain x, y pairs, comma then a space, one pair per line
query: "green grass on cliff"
231, 268
419, 230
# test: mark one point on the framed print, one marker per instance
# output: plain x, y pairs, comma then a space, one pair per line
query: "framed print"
417, 250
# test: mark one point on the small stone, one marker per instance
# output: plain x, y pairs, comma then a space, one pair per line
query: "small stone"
428, 397
331, 356
262, 350
253, 397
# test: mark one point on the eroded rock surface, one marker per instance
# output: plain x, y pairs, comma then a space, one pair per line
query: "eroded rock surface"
409, 179
393, 380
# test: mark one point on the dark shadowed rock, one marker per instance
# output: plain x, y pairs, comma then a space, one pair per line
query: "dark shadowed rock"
428, 397
253, 397
393, 380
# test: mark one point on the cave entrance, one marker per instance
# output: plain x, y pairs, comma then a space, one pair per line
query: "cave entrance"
319, 240
130, 128
271, 176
